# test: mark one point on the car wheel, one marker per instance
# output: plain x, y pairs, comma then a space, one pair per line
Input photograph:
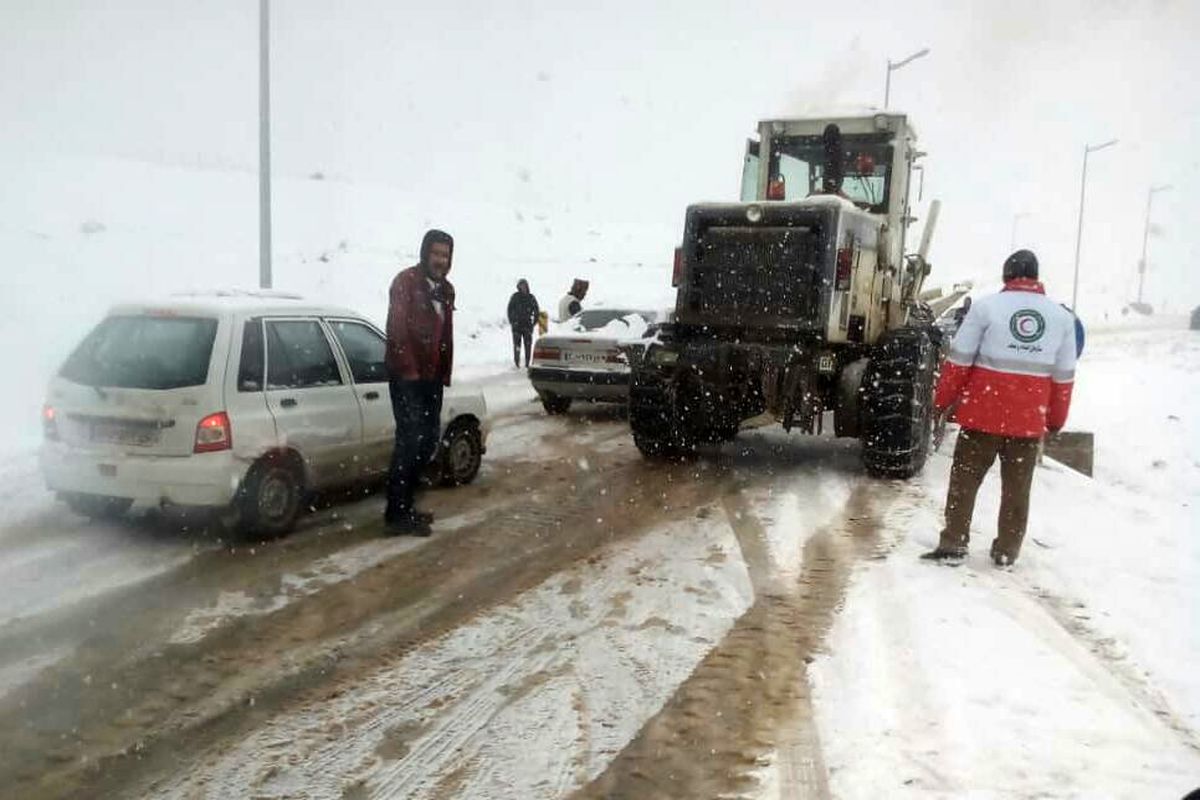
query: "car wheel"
97, 506
555, 404
271, 497
462, 453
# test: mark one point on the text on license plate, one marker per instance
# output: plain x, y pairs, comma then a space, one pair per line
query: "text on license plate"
591, 358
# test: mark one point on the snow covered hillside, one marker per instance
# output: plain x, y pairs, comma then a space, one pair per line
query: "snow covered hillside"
77, 235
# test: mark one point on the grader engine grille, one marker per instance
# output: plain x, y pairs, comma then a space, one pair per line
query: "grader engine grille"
744, 275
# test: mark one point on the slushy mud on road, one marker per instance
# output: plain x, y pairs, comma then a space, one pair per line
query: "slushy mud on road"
209, 676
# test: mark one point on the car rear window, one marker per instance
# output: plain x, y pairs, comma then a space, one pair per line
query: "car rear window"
598, 318
144, 352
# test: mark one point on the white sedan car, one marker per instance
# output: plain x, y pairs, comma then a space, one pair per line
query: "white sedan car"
239, 400
583, 358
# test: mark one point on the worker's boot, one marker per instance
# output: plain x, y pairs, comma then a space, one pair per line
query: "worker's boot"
949, 556
1001, 559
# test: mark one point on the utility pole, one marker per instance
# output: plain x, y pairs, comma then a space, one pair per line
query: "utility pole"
1087, 150
1146, 236
264, 145
892, 67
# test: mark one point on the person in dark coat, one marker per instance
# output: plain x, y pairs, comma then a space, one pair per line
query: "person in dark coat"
960, 313
420, 354
522, 316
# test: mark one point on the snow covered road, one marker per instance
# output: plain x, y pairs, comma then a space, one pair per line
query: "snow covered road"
753, 623
564, 599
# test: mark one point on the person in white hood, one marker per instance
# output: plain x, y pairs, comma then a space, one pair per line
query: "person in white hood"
572, 302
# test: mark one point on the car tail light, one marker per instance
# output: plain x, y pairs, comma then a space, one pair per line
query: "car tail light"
677, 269
845, 260
50, 423
543, 353
213, 433
776, 189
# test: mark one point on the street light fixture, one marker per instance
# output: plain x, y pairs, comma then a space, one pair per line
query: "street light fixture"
1087, 150
1012, 240
1146, 236
892, 66
264, 145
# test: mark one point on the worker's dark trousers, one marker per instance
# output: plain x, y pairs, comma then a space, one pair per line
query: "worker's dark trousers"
973, 457
521, 337
417, 407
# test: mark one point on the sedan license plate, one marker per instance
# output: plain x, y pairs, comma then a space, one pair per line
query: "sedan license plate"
587, 358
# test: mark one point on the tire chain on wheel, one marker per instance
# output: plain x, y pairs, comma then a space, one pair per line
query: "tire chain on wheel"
653, 418
897, 394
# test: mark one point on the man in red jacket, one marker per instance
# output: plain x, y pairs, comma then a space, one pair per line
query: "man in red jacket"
1008, 379
420, 352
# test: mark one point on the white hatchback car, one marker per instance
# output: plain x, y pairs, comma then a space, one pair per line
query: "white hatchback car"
237, 400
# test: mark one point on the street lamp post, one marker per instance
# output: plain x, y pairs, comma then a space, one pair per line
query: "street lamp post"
891, 67
1087, 150
1146, 236
264, 145
1012, 240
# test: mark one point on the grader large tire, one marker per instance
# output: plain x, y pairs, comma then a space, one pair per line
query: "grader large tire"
654, 419
897, 404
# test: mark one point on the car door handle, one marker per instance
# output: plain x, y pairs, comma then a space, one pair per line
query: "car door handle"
371, 396
288, 402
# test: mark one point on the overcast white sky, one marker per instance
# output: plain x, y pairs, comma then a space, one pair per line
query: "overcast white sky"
631, 110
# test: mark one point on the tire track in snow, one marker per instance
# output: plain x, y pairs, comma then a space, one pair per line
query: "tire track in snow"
743, 720
110, 703
492, 709
166, 708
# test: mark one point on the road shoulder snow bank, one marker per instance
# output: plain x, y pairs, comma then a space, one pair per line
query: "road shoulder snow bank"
1073, 675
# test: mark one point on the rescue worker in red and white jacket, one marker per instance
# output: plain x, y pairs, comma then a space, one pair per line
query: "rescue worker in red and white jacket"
1007, 381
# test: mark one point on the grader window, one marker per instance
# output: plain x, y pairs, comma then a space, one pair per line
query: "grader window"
866, 168
750, 173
